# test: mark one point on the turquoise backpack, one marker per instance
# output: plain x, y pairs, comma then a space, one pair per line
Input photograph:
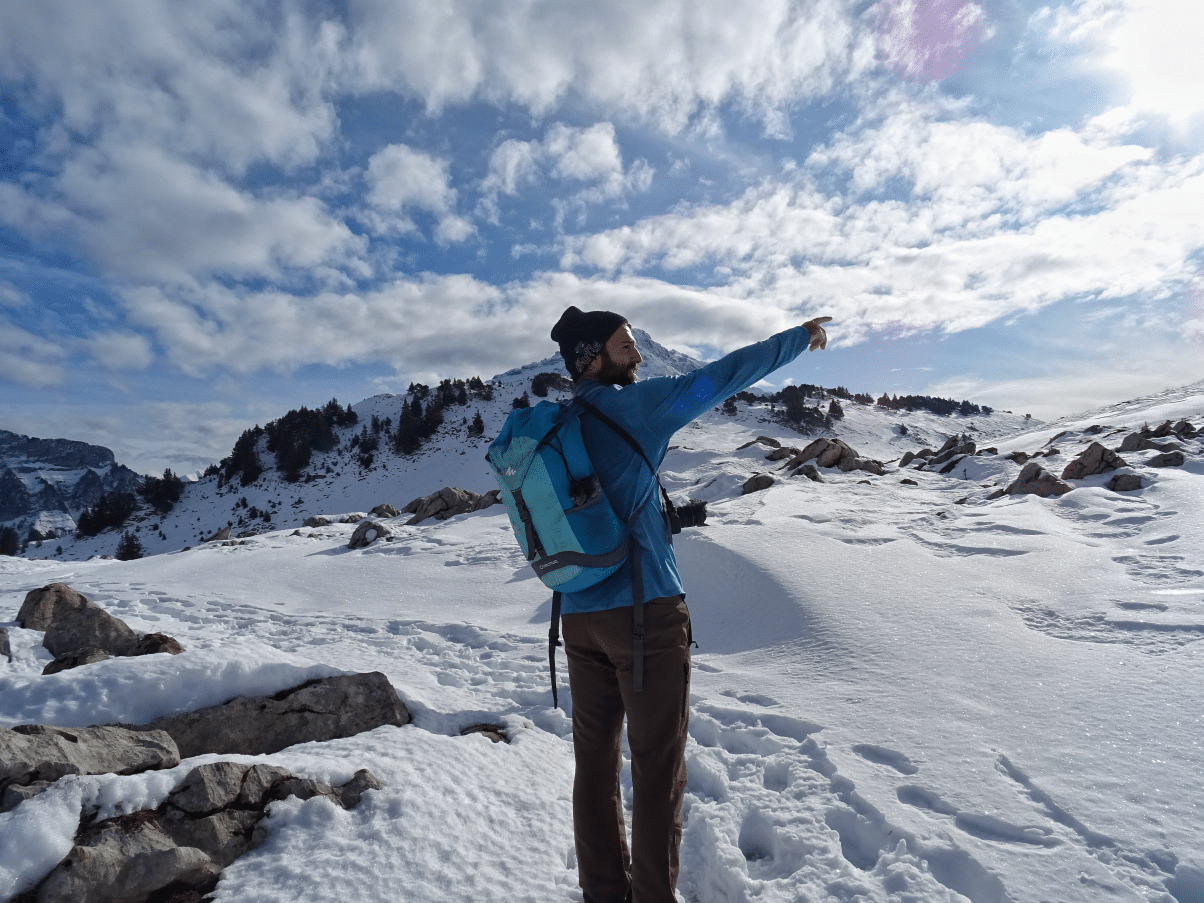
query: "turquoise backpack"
562, 519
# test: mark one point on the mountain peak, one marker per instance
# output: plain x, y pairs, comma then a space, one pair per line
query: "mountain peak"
658, 361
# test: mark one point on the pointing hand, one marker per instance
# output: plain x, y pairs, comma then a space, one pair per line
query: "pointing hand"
819, 338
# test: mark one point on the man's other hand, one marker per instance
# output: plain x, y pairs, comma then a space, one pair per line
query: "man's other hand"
819, 338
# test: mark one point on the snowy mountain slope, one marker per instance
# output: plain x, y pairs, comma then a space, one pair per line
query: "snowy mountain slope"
901, 692
335, 482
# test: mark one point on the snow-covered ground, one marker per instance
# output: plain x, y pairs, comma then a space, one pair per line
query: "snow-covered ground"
901, 692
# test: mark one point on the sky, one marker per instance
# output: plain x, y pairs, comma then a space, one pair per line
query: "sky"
214, 212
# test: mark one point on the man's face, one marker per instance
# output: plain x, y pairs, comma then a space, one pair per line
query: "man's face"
620, 359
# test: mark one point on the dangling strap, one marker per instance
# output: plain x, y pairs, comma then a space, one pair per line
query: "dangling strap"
553, 642
638, 607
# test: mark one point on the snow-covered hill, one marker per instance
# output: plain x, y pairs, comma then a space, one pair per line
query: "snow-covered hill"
336, 482
903, 691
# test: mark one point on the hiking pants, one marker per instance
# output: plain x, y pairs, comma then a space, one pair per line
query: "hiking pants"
600, 656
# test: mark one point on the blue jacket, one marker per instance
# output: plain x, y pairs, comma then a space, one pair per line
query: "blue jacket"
652, 411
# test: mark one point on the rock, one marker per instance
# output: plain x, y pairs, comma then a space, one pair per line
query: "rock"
925, 453
73, 622
15, 794
1184, 430
1161, 432
34, 752
782, 452
76, 659
907, 458
1138, 442
1095, 459
178, 851
494, 732
318, 520
761, 440
385, 511
154, 643
123, 860
220, 536
756, 483
1167, 459
811, 472
951, 464
6, 649
948, 452
448, 502
41, 605
909, 482
366, 533
1124, 482
1035, 480
325, 709
353, 518
1018, 457
361, 782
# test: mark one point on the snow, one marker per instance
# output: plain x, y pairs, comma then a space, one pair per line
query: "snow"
901, 693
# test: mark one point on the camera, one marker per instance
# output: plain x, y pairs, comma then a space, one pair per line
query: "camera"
692, 514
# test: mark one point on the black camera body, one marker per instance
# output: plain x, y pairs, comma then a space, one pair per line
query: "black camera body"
692, 514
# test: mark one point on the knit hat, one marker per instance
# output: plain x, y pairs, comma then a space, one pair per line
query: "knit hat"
581, 336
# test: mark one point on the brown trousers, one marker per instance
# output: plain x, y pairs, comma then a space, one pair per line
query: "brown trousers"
599, 648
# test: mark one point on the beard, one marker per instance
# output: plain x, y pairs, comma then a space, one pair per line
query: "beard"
617, 374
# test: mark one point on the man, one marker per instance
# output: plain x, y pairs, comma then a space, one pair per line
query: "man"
598, 623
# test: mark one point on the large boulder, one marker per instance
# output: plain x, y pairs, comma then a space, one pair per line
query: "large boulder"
1035, 480
78, 631
1095, 459
385, 510
6, 649
448, 502
368, 532
952, 449
326, 709
1168, 459
35, 753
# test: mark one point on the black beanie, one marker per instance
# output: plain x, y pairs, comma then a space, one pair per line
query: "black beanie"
581, 336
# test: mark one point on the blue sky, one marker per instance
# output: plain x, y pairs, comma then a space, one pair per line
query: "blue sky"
211, 213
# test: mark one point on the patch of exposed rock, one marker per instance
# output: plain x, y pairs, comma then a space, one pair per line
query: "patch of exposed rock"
1124, 482
78, 631
1168, 459
326, 709
6, 649
448, 502
210, 820
767, 441
756, 483
33, 756
1094, 460
385, 510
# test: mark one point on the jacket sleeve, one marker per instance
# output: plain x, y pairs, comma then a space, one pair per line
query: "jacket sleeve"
675, 401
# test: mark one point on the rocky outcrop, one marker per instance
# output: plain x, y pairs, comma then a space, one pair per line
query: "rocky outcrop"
1094, 460
33, 756
833, 453
953, 448
756, 483
78, 631
448, 502
1034, 480
327, 709
385, 510
220, 536
211, 819
368, 532
319, 520
6, 649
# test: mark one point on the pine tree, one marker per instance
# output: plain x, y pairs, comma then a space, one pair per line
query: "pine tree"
477, 427
129, 547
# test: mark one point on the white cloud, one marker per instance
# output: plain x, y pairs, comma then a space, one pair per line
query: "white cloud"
929, 39
11, 296
401, 178
27, 360
574, 156
663, 61
122, 351
996, 222
144, 214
